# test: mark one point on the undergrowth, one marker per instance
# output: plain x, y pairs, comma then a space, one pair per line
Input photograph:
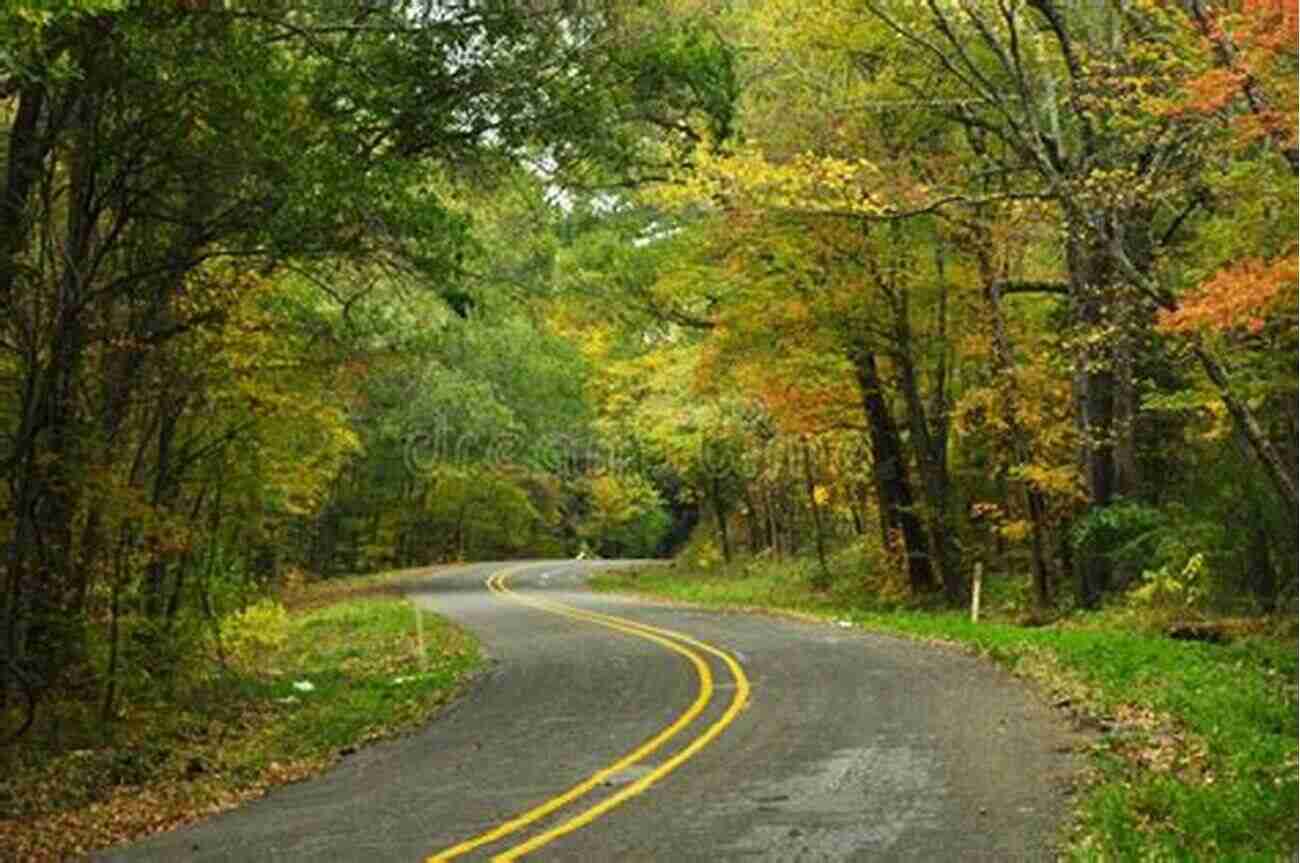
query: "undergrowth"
298, 690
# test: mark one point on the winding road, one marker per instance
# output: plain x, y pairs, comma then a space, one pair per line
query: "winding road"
615, 728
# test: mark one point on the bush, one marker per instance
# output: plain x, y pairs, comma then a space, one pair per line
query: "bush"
249, 635
1126, 532
866, 570
701, 550
1162, 588
156, 657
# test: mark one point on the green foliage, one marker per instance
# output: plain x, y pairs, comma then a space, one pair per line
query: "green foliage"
481, 514
296, 239
225, 738
1126, 531
219, 576
336, 297
626, 516
688, 65
158, 656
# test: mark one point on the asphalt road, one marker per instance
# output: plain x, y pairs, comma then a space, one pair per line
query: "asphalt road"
777, 740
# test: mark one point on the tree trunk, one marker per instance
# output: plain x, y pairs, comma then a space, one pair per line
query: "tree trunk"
720, 512
855, 513
1125, 419
1094, 389
753, 521
891, 472
28, 146
931, 457
161, 496
1259, 567
1281, 474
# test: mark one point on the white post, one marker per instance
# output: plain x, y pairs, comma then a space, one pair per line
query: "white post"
975, 593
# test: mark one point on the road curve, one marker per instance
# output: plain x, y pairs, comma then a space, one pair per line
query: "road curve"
611, 728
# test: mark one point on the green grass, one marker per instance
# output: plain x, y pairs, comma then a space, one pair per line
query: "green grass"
1198, 761
360, 655
345, 671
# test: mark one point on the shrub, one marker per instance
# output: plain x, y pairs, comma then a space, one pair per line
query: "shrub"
249, 635
1161, 588
1126, 531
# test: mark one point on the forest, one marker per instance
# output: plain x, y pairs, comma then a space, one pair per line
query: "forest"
892, 291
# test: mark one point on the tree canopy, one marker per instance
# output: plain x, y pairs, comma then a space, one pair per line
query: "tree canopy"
335, 287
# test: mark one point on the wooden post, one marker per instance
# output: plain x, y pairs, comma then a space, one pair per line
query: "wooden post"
975, 592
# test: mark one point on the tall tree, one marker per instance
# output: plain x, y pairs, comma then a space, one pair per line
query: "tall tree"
155, 152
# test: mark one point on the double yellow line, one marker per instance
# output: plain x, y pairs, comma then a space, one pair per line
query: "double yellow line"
678, 643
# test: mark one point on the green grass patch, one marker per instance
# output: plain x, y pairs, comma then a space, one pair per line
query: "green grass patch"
341, 669
1196, 758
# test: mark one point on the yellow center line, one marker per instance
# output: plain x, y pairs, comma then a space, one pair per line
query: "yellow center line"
496, 583
589, 815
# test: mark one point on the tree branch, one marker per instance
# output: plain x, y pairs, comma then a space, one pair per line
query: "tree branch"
1031, 286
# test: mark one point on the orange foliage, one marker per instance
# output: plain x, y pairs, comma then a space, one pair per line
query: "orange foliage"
1254, 49
808, 406
1276, 22
1213, 90
1238, 295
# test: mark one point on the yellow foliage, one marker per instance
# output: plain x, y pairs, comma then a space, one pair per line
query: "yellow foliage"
1054, 480
248, 636
806, 183
1015, 531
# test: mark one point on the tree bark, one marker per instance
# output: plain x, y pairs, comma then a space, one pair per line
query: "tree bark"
26, 152
929, 444
720, 512
891, 471
1094, 388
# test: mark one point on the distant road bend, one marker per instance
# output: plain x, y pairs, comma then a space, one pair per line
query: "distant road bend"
614, 728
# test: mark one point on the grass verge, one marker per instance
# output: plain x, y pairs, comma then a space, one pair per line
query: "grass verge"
347, 671
1196, 759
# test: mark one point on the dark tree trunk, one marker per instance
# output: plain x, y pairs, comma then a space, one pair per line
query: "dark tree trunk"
855, 513
1259, 567
930, 445
720, 512
774, 527
28, 146
162, 495
891, 472
1095, 391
